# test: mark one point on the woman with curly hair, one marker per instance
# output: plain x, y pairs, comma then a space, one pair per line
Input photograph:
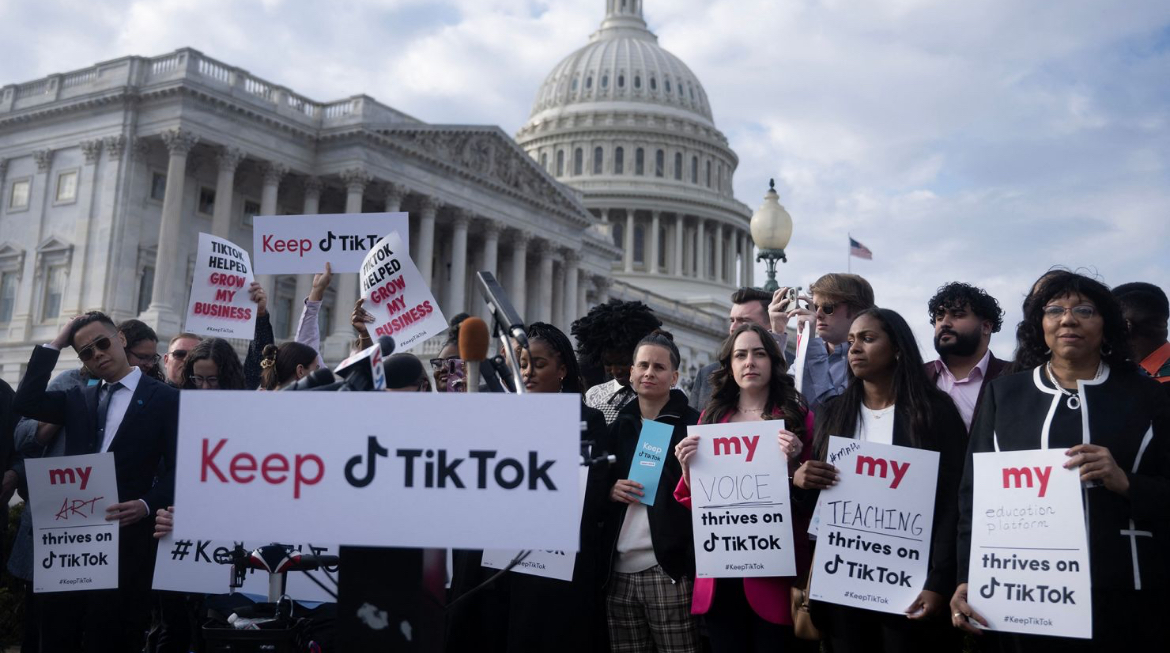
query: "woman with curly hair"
753, 614
213, 365
606, 336
1081, 393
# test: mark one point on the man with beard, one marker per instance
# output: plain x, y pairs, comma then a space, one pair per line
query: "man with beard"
964, 318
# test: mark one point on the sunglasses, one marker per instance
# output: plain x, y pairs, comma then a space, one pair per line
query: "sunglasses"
87, 352
178, 354
827, 309
443, 363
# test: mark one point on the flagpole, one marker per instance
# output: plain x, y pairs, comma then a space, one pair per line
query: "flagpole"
849, 256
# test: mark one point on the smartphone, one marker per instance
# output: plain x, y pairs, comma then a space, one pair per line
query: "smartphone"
456, 375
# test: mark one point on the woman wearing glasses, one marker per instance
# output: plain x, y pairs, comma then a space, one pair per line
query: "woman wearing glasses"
1080, 393
213, 365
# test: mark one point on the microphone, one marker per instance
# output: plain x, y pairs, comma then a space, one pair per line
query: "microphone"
473, 348
363, 371
313, 380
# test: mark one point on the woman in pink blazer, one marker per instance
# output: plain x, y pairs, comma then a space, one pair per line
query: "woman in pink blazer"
751, 385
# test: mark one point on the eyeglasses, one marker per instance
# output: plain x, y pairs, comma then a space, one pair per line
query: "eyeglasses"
87, 352
444, 363
178, 354
204, 381
827, 309
1080, 311
151, 359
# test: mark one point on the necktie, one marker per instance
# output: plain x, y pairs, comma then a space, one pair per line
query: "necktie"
107, 391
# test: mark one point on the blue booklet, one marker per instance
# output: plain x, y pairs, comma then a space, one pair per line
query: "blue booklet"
649, 457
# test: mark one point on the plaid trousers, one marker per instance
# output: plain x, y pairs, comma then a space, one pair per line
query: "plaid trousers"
648, 612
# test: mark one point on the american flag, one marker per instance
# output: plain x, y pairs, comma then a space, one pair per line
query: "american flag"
858, 250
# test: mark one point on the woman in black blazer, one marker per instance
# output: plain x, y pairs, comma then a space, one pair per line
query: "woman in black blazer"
890, 400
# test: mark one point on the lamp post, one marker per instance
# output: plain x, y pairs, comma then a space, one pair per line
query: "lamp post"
771, 230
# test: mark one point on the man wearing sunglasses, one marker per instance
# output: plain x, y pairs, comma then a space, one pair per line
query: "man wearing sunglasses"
176, 355
836, 299
135, 417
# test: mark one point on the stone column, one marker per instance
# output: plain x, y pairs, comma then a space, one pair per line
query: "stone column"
603, 284
741, 242
679, 228
700, 249
228, 159
582, 299
719, 246
516, 288
628, 241
557, 314
273, 173
458, 290
394, 194
426, 239
751, 261
652, 263
86, 190
312, 190
490, 262
337, 345
572, 260
543, 310
162, 313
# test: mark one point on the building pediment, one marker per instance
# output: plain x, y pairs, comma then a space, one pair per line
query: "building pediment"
488, 155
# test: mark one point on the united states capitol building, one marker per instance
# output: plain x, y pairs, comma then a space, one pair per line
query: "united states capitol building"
619, 185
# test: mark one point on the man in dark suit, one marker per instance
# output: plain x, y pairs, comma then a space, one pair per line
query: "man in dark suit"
964, 317
135, 418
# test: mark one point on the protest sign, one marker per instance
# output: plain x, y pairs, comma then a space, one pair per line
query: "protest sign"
299, 244
220, 303
471, 471
204, 567
873, 537
649, 455
548, 564
1029, 552
74, 547
397, 296
739, 501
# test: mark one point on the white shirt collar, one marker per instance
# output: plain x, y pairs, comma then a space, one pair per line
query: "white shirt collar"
981, 367
130, 381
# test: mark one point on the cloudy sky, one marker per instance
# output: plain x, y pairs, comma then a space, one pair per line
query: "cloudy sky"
979, 141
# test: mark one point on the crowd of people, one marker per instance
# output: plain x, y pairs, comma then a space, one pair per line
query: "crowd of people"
1090, 374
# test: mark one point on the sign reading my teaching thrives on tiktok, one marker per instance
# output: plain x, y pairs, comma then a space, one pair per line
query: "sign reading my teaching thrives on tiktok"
220, 303
74, 547
397, 297
297, 244
873, 541
387, 474
1029, 568
739, 502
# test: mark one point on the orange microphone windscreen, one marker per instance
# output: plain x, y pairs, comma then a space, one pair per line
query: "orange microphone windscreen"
473, 339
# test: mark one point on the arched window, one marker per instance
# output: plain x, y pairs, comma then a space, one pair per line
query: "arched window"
711, 256
578, 162
639, 244
544, 161
574, 84
619, 161
653, 83
659, 163
589, 82
708, 173
691, 91
639, 161
560, 163
598, 159
637, 81
719, 179
668, 85
678, 166
605, 81
694, 169
621, 81
662, 246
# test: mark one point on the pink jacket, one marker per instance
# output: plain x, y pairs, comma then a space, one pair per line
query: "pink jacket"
771, 597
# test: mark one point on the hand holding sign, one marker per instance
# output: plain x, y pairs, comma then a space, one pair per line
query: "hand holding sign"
627, 491
256, 294
1097, 465
962, 613
219, 307
815, 475
126, 513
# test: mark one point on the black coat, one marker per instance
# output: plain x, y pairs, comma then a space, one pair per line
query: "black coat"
1126, 413
670, 521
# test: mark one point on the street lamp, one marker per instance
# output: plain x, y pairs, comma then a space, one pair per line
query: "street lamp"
771, 231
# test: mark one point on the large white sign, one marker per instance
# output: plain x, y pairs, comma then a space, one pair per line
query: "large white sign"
739, 502
74, 547
220, 303
549, 564
203, 567
296, 244
873, 539
434, 470
397, 297
1029, 553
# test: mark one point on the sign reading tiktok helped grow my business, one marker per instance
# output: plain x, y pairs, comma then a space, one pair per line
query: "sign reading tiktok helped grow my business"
74, 547
873, 540
301, 244
739, 501
1029, 553
220, 303
396, 295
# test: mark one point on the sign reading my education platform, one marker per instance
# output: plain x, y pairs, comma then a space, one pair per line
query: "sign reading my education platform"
74, 547
397, 297
220, 303
378, 469
873, 540
1029, 552
739, 502
299, 244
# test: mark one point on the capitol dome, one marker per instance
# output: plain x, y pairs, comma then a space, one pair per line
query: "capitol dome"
628, 125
